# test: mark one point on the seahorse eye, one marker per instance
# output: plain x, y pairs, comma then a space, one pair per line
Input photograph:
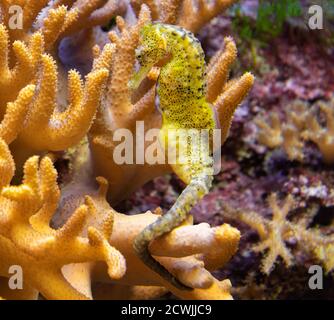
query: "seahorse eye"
139, 54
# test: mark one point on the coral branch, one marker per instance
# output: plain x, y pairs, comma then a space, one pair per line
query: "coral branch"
301, 125
190, 14
273, 234
188, 260
60, 130
194, 18
26, 58
95, 243
230, 99
322, 137
15, 114
36, 246
122, 66
218, 69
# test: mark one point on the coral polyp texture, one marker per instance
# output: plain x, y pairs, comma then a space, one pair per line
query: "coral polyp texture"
59, 228
184, 13
302, 125
275, 233
62, 263
25, 62
28, 240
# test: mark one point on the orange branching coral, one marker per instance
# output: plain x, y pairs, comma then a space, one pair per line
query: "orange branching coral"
91, 13
58, 130
58, 126
122, 108
274, 240
188, 252
27, 240
270, 134
27, 293
193, 18
60, 17
15, 114
38, 117
190, 14
323, 137
301, 125
13, 79
52, 23
274, 134
274, 233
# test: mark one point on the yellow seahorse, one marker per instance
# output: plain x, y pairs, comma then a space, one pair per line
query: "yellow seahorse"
181, 92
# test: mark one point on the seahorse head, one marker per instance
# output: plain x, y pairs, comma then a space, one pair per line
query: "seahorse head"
152, 45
